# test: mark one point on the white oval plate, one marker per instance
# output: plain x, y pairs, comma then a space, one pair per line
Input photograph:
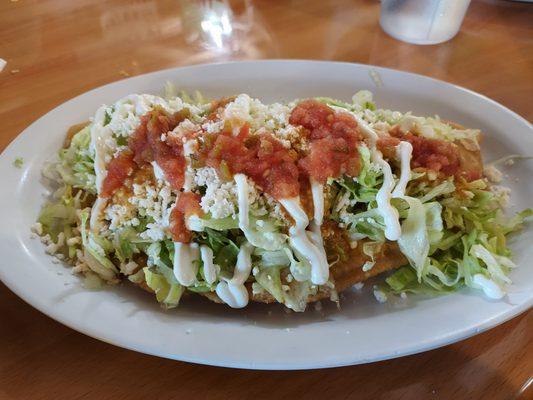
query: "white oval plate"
262, 337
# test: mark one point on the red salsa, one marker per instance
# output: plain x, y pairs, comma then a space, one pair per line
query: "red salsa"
187, 204
434, 154
334, 137
118, 169
145, 145
261, 157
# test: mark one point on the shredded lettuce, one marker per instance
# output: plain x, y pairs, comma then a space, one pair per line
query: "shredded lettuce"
95, 249
18, 162
168, 294
453, 233
225, 246
221, 224
294, 294
434, 127
460, 241
59, 214
355, 203
76, 164
362, 100
414, 240
126, 243
262, 233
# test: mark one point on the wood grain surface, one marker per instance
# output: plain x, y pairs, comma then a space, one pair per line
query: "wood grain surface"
58, 49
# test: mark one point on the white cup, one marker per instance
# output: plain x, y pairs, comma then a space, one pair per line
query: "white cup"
423, 21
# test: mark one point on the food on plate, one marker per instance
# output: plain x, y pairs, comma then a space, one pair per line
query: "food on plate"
240, 201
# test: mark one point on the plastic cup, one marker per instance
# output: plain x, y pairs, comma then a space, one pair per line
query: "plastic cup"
423, 21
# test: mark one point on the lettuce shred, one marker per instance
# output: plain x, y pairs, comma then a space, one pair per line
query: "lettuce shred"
76, 163
453, 233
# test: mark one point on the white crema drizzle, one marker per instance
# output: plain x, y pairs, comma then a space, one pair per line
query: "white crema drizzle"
390, 215
184, 266
404, 151
209, 268
233, 292
307, 243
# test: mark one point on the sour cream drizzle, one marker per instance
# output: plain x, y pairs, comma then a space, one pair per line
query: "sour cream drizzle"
391, 217
233, 292
210, 271
317, 190
307, 243
184, 267
315, 233
243, 268
404, 151
235, 296
295, 210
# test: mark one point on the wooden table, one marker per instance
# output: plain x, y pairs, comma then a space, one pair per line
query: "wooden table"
58, 49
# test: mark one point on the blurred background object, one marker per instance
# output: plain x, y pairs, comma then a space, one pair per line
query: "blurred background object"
217, 28
423, 21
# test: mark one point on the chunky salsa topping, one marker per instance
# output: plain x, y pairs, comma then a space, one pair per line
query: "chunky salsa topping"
261, 157
446, 158
333, 140
145, 145
187, 204
118, 170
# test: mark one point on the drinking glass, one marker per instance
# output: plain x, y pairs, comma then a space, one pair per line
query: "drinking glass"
423, 21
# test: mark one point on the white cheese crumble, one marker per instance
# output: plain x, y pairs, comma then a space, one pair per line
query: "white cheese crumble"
120, 215
220, 198
153, 202
367, 266
493, 174
53, 247
238, 110
272, 117
380, 295
503, 195
73, 241
190, 147
127, 112
213, 126
184, 127
129, 268
37, 228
